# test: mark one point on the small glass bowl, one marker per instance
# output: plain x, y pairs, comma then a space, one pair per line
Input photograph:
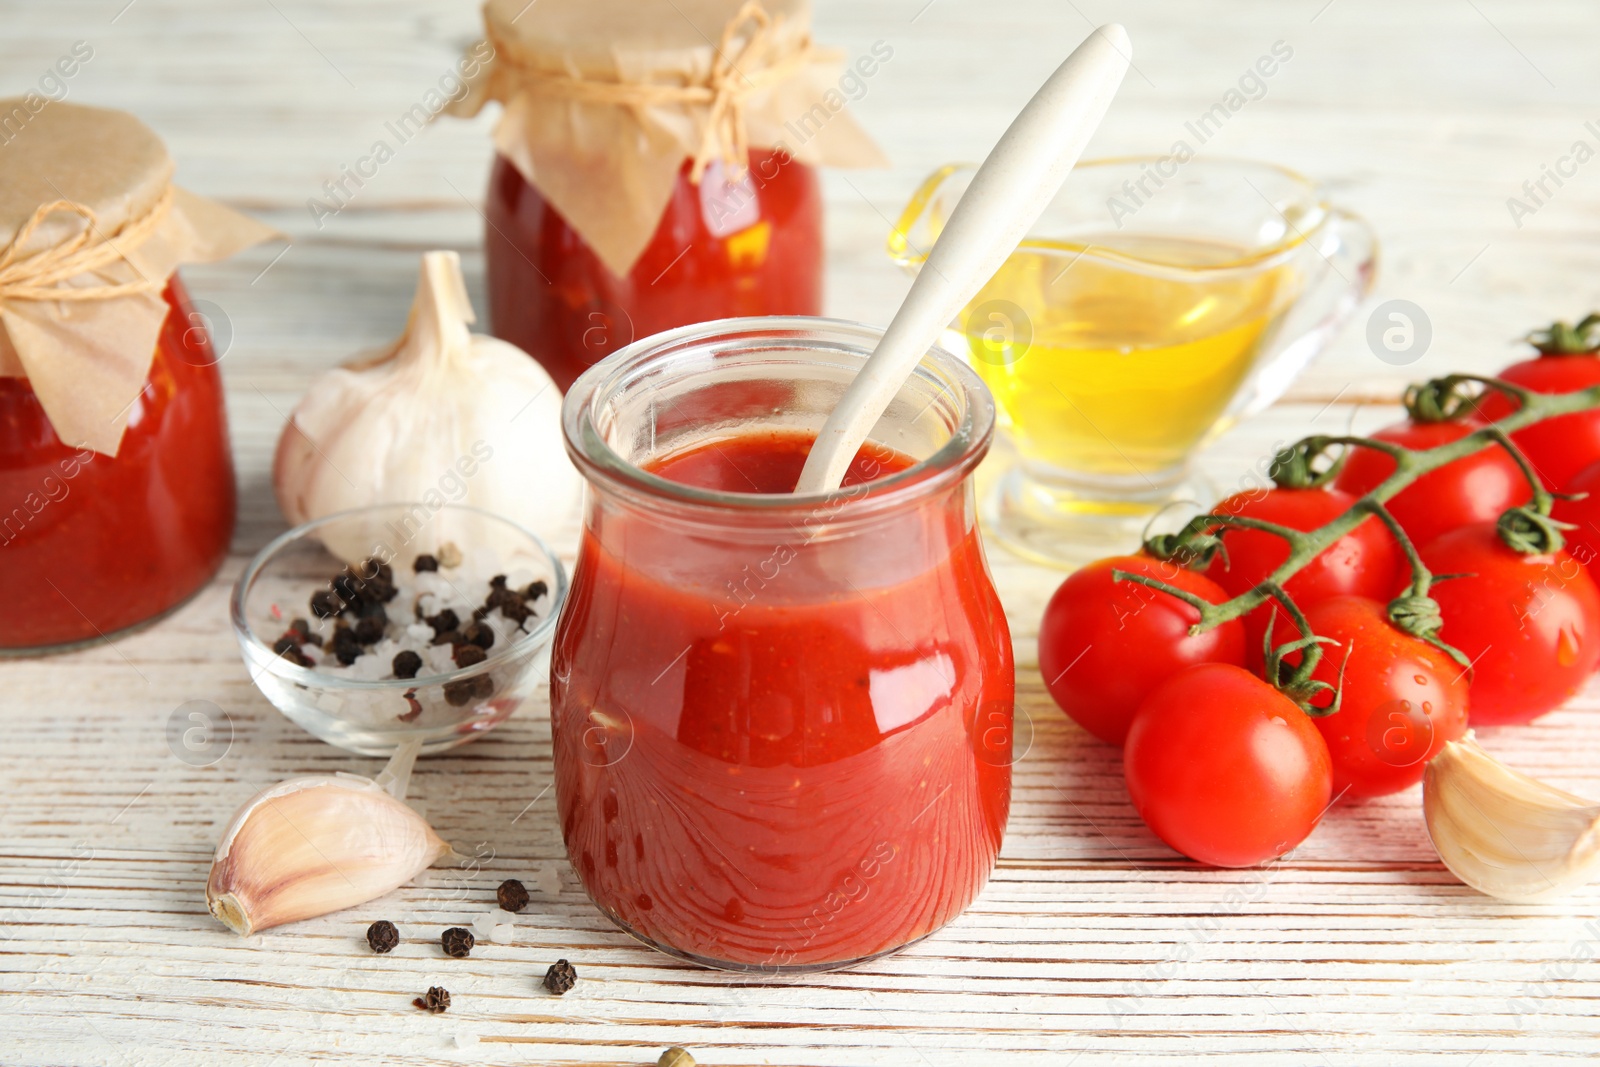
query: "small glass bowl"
370, 717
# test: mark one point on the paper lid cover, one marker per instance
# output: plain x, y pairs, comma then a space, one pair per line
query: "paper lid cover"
91, 228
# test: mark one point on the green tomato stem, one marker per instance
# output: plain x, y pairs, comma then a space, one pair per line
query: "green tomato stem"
1304, 546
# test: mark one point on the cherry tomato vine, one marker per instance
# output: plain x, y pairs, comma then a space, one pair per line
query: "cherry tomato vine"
1315, 462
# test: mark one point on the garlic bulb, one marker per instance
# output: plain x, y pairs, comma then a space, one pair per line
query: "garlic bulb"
314, 845
1504, 833
445, 415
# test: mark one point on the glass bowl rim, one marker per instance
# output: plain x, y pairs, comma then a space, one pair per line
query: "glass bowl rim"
276, 664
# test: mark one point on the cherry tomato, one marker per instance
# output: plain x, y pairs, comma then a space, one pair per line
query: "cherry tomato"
1401, 699
1560, 447
1529, 624
1475, 488
1364, 562
1224, 768
1104, 644
1583, 540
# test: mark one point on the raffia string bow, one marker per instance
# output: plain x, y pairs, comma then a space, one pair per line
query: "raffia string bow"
39, 275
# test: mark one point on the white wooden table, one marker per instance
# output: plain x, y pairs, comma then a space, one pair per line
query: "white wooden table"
1093, 940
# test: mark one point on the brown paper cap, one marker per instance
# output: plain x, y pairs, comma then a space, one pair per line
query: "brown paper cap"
88, 359
587, 36
610, 169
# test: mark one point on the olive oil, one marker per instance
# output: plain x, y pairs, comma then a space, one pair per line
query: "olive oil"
1116, 356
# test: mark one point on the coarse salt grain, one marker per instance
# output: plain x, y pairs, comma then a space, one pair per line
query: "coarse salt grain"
368, 668
431, 583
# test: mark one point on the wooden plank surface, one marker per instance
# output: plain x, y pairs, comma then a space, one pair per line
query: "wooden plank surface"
1093, 943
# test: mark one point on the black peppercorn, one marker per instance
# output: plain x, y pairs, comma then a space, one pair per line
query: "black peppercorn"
348, 588
536, 590
372, 609
344, 636
295, 656
476, 633
484, 689
425, 562
457, 942
512, 895
406, 664
460, 692
466, 655
382, 936
560, 977
515, 607
444, 622
437, 1000
286, 644
324, 605
369, 631
497, 582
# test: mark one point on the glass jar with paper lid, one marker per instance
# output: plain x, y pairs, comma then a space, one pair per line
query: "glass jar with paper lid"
655, 166
116, 482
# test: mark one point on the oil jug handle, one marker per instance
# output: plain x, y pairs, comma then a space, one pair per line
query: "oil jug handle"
1342, 258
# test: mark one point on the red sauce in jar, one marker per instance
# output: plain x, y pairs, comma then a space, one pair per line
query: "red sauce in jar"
552, 297
92, 544
803, 782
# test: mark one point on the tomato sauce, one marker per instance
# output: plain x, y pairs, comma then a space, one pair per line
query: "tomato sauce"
755, 251
802, 769
92, 544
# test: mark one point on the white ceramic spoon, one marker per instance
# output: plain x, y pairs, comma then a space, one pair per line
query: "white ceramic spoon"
1004, 199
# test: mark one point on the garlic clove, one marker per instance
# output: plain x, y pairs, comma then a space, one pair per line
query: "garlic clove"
314, 845
1506, 834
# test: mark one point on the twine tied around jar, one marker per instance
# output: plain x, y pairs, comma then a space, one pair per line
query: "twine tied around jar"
733, 78
37, 275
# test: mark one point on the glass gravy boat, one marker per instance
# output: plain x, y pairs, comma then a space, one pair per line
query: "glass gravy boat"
1154, 305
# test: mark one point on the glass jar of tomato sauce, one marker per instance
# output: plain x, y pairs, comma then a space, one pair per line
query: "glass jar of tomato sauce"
552, 297
781, 722
116, 480
91, 544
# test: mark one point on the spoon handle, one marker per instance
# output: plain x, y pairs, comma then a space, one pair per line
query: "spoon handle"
1005, 198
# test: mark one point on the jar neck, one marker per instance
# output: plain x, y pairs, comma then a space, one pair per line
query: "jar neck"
716, 382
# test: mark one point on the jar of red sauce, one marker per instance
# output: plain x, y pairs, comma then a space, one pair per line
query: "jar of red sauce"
655, 166
781, 722
116, 480
553, 297
93, 544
